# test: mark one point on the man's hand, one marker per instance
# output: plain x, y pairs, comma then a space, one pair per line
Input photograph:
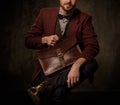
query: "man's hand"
74, 74
50, 40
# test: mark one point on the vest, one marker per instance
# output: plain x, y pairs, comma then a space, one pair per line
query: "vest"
58, 30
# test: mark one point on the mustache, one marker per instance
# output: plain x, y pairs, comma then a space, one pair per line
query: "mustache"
69, 3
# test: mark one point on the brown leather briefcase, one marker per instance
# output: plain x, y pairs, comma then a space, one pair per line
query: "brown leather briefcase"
62, 55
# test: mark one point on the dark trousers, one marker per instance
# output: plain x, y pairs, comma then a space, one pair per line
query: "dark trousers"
59, 83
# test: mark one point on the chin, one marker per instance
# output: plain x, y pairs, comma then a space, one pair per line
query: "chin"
68, 8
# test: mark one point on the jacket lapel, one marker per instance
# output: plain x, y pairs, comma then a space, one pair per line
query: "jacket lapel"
74, 24
53, 20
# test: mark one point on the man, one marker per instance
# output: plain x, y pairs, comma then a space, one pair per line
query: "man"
54, 24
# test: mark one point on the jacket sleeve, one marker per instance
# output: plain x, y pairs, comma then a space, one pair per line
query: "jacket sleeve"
34, 34
89, 40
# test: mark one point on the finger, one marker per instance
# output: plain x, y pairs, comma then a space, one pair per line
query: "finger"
77, 79
53, 43
49, 44
72, 82
68, 83
56, 38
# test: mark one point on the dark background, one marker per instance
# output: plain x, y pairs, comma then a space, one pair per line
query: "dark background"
17, 62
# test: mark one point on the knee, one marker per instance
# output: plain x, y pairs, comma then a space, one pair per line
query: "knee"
90, 67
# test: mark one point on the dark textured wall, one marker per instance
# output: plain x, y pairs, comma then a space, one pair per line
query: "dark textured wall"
17, 62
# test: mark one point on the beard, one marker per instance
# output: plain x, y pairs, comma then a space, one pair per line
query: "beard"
67, 7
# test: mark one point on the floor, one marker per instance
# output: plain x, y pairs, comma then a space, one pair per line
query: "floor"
75, 98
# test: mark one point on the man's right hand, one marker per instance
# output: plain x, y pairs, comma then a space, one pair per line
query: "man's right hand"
50, 40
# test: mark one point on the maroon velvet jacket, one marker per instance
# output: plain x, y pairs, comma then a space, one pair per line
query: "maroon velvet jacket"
80, 25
